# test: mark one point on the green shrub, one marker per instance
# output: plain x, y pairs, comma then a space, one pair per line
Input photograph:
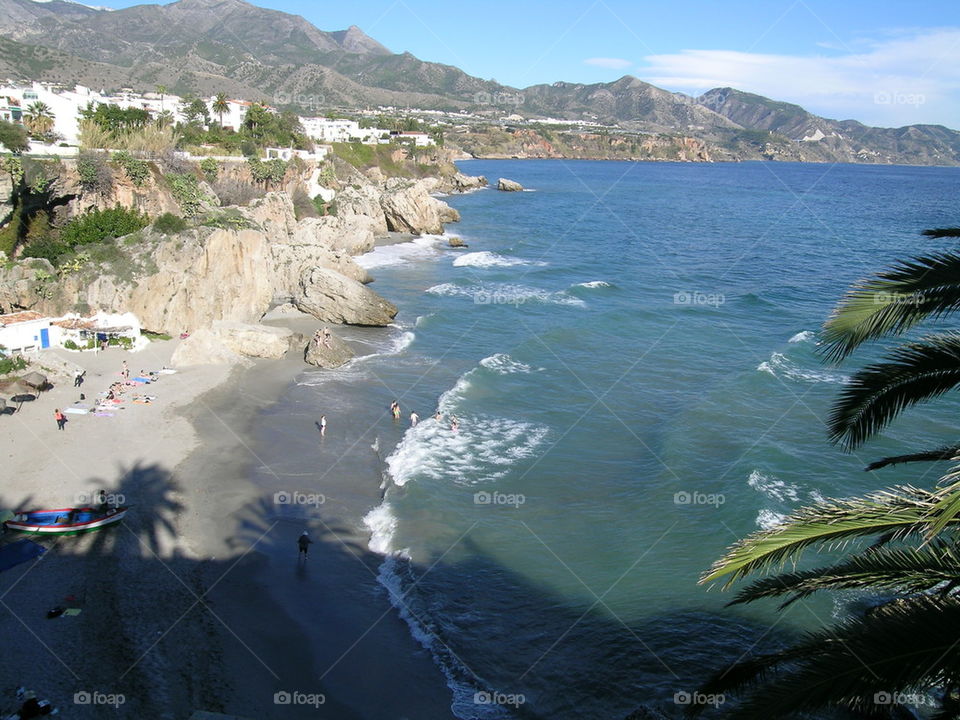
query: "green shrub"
155, 336
137, 170
270, 172
186, 191
91, 343
70, 345
210, 169
99, 225
95, 173
170, 224
47, 248
11, 364
303, 206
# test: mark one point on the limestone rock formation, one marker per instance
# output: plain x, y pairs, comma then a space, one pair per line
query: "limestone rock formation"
462, 183
262, 341
409, 207
508, 185
456, 242
204, 347
334, 298
330, 354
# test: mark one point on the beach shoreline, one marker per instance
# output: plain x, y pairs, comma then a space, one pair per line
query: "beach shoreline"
204, 587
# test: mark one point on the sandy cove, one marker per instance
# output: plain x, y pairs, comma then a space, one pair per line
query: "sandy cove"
196, 601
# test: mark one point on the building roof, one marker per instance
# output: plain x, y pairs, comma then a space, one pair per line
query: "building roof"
20, 317
74, 323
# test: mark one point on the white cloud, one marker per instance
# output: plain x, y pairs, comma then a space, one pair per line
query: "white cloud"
905, 79
609, 63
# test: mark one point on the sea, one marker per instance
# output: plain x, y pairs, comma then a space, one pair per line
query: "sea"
630, 353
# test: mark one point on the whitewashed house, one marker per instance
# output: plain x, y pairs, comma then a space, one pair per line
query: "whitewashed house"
24, 332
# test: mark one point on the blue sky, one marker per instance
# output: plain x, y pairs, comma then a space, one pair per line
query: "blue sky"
885, 63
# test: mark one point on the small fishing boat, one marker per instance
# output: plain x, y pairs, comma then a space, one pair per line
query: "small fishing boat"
65, 521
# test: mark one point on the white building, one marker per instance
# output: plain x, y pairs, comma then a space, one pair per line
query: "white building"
29, 330
327, 130
24, 331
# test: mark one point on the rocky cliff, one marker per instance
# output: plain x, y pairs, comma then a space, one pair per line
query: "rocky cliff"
235, 264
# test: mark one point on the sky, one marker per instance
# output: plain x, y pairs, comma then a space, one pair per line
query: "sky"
884, 62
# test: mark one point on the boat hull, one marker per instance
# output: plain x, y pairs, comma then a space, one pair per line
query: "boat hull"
58, 522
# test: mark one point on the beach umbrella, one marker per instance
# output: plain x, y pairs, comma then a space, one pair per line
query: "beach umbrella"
20, 393
3, 406
35, 380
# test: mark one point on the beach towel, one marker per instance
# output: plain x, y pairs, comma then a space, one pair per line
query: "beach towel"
19, 552
76, 411
168, 371
72, 612
103, 414
141, 379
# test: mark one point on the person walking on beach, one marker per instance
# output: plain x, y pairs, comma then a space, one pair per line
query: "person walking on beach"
395, 409
303, 543
78, 377
323, 425
125, 371
60, 418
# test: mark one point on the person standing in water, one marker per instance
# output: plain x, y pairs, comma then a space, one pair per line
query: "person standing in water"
303, 543
454, 423
414, 419
395, 409
323, 425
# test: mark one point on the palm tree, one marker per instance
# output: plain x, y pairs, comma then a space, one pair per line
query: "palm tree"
39, 119
162, 90
908, 644
165, 118
220, 106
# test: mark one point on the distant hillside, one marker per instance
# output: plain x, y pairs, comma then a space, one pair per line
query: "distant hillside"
209, 46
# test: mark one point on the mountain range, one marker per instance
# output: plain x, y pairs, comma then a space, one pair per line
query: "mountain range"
231, 46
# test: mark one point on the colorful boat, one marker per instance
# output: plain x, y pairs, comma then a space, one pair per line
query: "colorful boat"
65, 521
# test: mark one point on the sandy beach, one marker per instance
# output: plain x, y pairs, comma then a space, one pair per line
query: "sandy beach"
197, 601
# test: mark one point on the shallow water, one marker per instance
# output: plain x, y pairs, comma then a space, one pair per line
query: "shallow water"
630, 353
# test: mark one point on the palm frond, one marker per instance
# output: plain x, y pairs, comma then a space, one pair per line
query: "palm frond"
912, 373
905, 569
906, 646
892, 302
897, 513
948, 452
942, 232
947, 502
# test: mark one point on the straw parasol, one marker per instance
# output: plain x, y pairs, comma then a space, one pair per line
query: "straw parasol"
35, 380
3, 405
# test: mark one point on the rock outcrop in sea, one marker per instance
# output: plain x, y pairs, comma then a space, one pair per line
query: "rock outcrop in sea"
508, 185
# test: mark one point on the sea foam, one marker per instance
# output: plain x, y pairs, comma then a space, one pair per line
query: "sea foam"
485, 258
782, 367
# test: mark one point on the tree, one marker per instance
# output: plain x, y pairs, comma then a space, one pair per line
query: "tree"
38, 119
164, 119
162, 90
908, 643
220, 106
195, 111
13, 137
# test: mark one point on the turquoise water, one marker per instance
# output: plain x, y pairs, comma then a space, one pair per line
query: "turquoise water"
630, 352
